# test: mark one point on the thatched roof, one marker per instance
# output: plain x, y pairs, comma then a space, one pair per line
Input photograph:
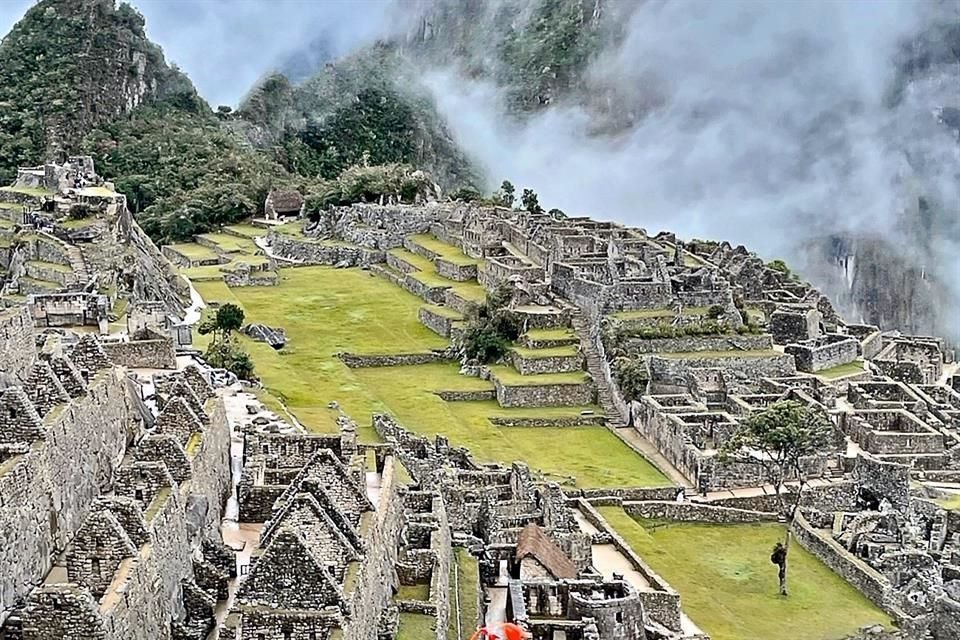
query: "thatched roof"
534, 543
286, 200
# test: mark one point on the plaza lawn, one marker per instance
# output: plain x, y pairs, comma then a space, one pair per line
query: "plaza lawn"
591, 456
728, 586
416, 626
839, 371
326, 310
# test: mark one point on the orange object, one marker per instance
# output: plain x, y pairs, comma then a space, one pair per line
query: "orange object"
510, 632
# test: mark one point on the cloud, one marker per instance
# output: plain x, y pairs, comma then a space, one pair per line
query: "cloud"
768, 124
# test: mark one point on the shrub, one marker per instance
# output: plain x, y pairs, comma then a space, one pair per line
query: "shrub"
491, 330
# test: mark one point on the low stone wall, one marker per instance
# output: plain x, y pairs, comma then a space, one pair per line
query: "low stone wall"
551, 364
865, 578
467, 396
694, 512
439, 323
360, 361
182, 260
732, 342
823, 353
251, 278
399, 263
568, 421
547, 395
435, 294
616, 495
453, 271
673, 371
453, 300
309, 251
43, 271
147, 354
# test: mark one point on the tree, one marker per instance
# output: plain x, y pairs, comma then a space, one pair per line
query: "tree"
778, 438
225, 321
530, 201
492, 328
508, 193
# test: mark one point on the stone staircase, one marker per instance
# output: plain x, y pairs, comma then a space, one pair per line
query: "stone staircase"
595, 364
74, 257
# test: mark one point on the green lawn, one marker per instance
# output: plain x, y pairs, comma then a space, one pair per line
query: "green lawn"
230, 244
37, 192
326, 310
414, 592
194, 251
513, 378
248, 230
550, 352
562, 333
733, 353
416, 626
643, 314
849, 369
728, 586
445, 312
446, 251
464, 587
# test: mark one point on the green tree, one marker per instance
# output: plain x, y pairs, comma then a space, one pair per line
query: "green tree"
778, 438
530, 201
492, 328
508, 193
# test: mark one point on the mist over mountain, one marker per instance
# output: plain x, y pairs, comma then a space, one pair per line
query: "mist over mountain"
824, 133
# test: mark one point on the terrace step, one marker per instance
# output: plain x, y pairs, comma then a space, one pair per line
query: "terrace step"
605, 395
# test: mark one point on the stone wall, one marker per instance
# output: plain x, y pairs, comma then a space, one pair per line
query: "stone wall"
17, 347
310, 251
358, 361
437, 320
821, 353
157, 353
694, 512
55, 483
550, 364
732, 342
669, 374
547, 395
453, 271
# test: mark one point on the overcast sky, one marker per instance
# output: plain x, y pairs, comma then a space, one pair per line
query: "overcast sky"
226, 45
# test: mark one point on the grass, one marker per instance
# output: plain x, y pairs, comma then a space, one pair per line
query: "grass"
80, 223
589, 456
446, 251
445, 312
52, 266
216, 271
414, 592
30, 191
194, 251
839, 371
951, 503
464, 589
643, 314
733, 353
156, 504
728, 586
326, 310
562, 333
102, 192
471, 291
416, 626
550, 352
294, 228
512, 378
231, 244
248, 230
39, 284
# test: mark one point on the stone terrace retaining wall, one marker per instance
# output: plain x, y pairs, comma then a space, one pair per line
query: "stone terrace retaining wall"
150, 354
551, 364
439, 323
547, 395
693, 512
453, 271
825, 352
732, 342
467, 396
672, 371
309, 251
435, 294
359, 361
567, 421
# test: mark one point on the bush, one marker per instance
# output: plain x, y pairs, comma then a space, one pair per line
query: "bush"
228, 354
489, 333
79, 212
632, 376
715, 311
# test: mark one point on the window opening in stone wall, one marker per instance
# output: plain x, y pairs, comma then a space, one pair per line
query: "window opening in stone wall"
95, 566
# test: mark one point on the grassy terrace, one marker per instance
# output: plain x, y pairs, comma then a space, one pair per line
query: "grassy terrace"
194, 251
849, 369
231, 244
464, 587
445, 312
733, 353
446, 251
551, 352
563, 333
644, 314
37, 192
728, 586
414, 592
428, 275
326, 310
512, 378
53, 266
248, 230
416, 626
